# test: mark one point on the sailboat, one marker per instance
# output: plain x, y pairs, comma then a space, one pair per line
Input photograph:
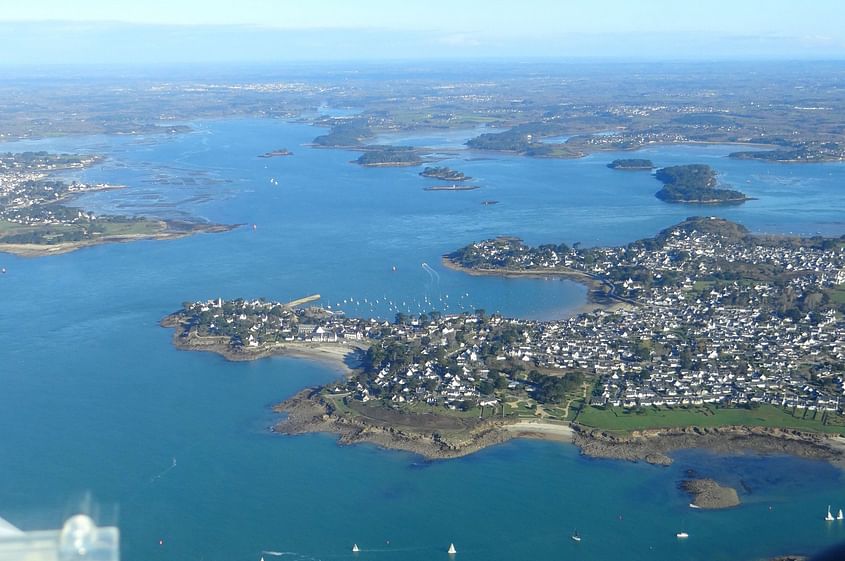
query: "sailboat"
355, 548
829, 516
576, 537
839, 515
452, 549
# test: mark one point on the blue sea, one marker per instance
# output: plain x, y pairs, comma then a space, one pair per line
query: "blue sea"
95, 403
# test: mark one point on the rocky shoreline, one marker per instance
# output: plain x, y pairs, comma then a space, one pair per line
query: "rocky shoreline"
309, 412
652, 446
708, 494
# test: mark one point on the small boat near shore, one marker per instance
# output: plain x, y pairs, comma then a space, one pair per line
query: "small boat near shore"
693, 505
682, 535
576, 537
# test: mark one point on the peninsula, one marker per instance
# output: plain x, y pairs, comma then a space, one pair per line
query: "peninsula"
35, 219
686, 362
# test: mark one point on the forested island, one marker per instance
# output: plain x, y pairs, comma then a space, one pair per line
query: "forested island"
444, 174
631, 164
389, 156
694, 184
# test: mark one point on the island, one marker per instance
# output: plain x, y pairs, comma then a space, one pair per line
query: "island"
694, 184
276, 153
677, 354
35, 219
444, 174
708, 494
631, 164
389, 156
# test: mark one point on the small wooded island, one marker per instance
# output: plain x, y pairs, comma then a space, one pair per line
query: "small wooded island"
631, 164
444, 174
389, 156
694, 184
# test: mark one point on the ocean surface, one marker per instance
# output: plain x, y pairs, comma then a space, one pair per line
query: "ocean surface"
98, 411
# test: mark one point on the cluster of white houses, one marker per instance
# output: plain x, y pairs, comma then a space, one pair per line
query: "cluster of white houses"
696, 340
26, 195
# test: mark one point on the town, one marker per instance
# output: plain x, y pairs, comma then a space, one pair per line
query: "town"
704, 314
28, 198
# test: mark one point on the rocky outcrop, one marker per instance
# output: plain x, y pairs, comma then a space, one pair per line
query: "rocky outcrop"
708, 494
653, 445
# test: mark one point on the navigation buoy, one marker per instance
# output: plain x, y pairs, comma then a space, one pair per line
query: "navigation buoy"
452, 549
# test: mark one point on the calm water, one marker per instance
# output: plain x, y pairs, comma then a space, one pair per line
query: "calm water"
93, 399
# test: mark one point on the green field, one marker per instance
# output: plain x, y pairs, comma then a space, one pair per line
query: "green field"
47, 233
837, 294
618, 419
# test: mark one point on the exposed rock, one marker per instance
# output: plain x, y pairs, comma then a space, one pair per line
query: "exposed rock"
706, 493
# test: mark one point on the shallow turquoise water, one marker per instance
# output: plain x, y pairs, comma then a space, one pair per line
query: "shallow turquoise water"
94, 399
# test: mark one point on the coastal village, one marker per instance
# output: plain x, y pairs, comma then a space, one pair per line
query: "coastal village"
704, 313
29, 198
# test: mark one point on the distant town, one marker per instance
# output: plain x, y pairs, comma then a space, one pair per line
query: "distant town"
35, 218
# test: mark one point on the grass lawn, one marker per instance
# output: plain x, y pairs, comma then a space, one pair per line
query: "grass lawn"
617, 419
837, 294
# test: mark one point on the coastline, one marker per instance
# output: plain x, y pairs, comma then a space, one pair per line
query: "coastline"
169, 231
342, 357
309, 412
593, 284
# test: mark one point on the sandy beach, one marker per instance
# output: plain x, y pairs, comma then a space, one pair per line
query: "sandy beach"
541, 429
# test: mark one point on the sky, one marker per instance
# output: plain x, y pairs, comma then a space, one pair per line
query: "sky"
148, 31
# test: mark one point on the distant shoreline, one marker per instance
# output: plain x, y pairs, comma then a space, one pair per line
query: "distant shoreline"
167, 232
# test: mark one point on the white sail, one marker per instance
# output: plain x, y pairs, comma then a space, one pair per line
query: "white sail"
355, 548
452, 549
829, 516
840, 516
